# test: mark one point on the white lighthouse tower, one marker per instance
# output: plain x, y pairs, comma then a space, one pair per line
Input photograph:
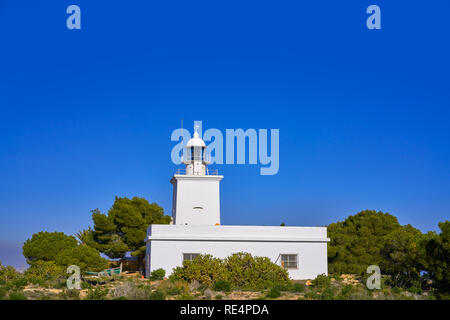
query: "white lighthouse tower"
196, 195
196, 227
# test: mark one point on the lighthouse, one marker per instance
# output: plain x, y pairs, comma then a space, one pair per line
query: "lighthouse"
196, 227
196, 189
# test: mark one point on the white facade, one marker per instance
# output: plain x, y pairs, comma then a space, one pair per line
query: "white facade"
196, 199
197, 229
168, 243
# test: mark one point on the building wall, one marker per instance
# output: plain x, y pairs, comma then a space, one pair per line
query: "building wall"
312, 256
167, 243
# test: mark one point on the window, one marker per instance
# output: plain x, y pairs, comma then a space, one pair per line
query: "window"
189, 256
289, 261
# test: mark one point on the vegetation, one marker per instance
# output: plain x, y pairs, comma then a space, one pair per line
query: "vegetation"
157, 274
412, 261
44, 273
239, 270
356, 242
44, 246
321, 281
438, 260
413, 265
222, 285
87, 258
123, 229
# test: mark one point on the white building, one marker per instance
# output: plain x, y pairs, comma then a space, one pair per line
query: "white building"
196, 228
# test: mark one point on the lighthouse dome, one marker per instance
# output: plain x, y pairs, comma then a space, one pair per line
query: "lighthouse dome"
196, 141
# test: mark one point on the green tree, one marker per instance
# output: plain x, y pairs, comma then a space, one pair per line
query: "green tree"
42, 271
403, 256
438, 259
124, 228
46, 245
87, 258
356, 242
8, 274
86, 237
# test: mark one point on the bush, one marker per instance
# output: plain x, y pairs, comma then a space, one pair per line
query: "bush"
244, 270
172, 288
311, 295
327, 294
298, 287
345, 292
20, 283
70, 294
157, 274
204, 268
321, 281
222, 285
17, 296
158, 295
273, 293
130, 291
284, 286
416, 290
87, 258
3, 292
46, 245
10, 277
240, 270
97, 294
396, 290
41, 272
185, 297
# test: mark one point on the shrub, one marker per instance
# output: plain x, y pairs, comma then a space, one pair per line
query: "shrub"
273, 293
44, 271
70, 294
17, 296
3, 292
87, 258
321, 281
284, 286
327, 294
174, 287
46, 245
158, 295
20, 283
131, 291
396, 290
346, 292
240, 270
298, 287
222, 285
185, 297
245, 270
157, 274
311, 295
9, 276
416, 290
97, 294
218, 297
204, 268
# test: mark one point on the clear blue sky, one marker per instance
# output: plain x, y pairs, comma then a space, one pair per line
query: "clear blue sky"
87, 115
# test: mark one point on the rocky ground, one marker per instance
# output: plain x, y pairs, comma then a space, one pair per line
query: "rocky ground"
134, 287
